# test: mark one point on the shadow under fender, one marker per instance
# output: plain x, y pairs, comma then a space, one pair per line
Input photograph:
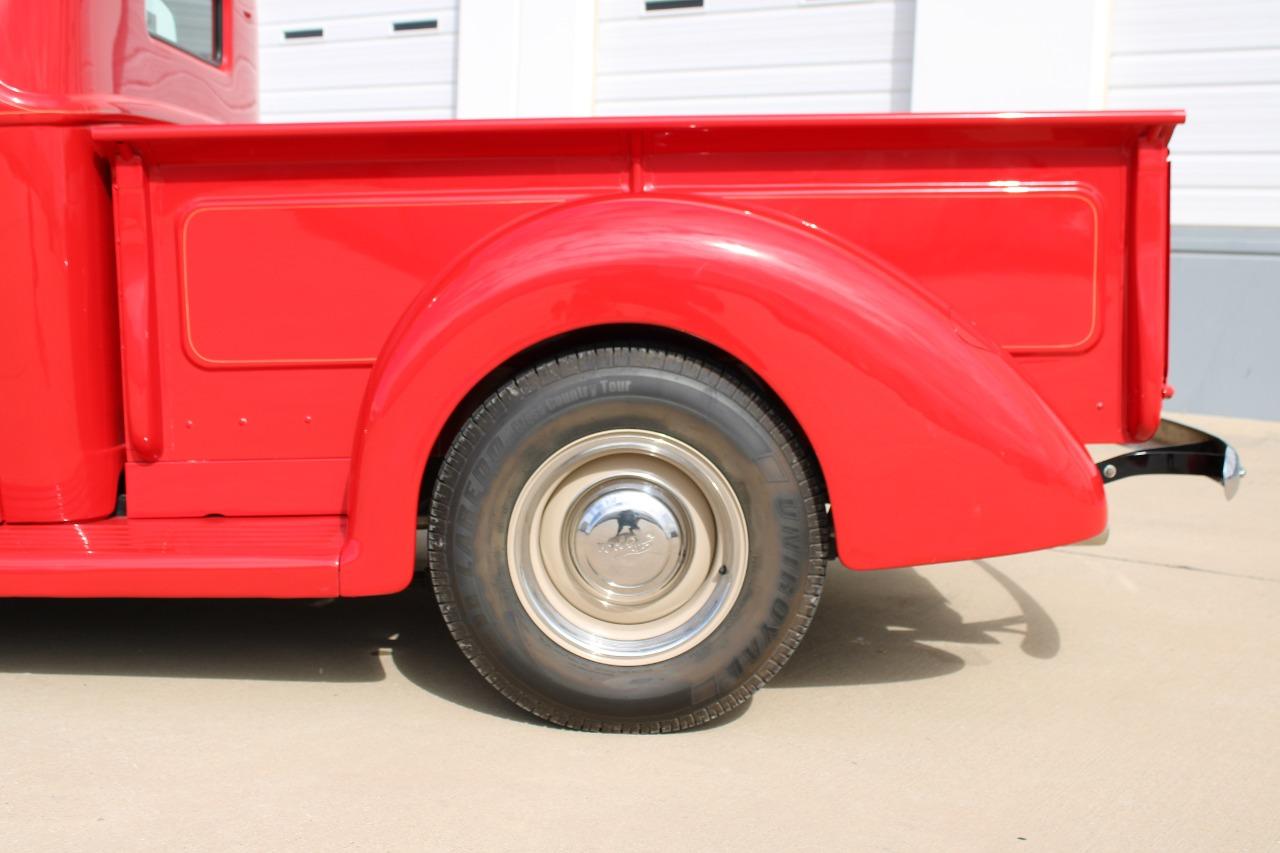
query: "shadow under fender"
932, 446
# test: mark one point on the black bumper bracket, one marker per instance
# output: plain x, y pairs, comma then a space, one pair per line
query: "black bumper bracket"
1179, 449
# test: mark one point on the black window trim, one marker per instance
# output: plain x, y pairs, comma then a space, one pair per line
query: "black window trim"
216, 59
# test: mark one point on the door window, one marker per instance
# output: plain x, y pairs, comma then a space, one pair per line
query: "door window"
194, 26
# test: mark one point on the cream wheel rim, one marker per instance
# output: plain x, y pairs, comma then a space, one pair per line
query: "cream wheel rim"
627, 547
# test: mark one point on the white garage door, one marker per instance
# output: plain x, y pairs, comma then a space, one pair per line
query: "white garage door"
373, 60
1221, 62
753, 56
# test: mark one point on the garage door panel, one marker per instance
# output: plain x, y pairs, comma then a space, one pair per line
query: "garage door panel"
1239, 171
613, 10
812, 79
808, 35
1194, 25
387, 97
294, 11
754, 56
1258, 207
367, 115
1200, 68
1220, 62
297, 35
757, 105
347, 63
318, 61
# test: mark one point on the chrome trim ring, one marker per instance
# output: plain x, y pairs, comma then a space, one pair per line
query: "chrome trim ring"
627, 547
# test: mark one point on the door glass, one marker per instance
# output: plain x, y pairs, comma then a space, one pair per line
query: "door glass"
194, 26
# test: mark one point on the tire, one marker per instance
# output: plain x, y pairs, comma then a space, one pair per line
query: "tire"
671, 618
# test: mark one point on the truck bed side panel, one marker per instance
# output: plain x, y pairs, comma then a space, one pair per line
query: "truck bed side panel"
283, 256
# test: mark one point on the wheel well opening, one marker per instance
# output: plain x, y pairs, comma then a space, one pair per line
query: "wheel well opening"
655, 337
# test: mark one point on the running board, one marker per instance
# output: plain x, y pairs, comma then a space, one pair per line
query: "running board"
214, 557
1179, 449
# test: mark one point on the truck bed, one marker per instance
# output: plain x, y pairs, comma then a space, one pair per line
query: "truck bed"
283, 255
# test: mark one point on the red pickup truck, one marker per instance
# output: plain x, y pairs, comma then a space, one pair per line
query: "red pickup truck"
637, 379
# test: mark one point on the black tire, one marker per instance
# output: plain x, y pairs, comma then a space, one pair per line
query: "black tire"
730, 423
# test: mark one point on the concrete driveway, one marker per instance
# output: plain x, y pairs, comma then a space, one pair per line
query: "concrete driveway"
1115, 698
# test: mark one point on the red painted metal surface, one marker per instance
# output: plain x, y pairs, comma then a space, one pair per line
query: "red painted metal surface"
137, 308
206, 557
197, 488
1148, 291
946, 303
949, 305
79, 61
931, 443
65, 64
60, 419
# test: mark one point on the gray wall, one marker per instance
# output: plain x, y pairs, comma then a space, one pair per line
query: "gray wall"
1224, 321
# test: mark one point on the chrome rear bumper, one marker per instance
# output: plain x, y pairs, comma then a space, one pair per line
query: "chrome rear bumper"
1179, 449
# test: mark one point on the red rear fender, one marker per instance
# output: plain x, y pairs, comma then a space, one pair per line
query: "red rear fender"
932, 446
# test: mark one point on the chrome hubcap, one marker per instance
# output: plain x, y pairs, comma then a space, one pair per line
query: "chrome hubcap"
627, 547
629, 543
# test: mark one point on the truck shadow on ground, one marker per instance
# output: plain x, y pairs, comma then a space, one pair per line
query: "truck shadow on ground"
874, 627
871, 628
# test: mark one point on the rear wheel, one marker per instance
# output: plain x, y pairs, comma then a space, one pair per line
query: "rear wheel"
627, 539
